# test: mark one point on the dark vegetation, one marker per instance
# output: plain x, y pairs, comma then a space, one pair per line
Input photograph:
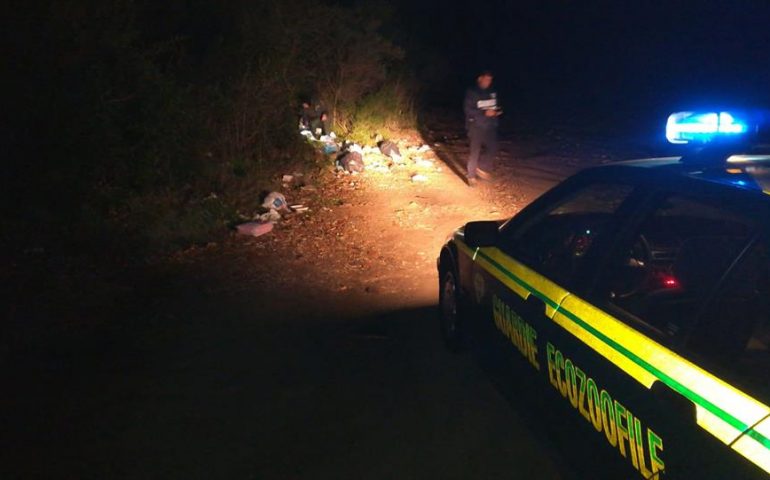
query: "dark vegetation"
134, 127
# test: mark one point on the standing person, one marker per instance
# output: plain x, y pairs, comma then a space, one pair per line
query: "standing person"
481, 112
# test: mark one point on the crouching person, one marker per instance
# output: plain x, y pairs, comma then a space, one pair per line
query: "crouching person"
314, 118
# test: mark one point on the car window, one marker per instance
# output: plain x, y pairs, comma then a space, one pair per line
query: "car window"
556, 241
735, 330
673, 261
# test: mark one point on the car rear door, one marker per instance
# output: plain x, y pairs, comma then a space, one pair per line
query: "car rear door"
732, 340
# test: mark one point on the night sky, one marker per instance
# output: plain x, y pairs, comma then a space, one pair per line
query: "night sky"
601, 57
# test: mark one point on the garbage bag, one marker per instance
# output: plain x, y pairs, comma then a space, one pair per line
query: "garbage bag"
389, 148
275, 201
270, 216
351, 161
329, 148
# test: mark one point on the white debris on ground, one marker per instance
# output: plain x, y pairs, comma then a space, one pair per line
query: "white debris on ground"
415, 162
270, 216
275, 201
402, 157
388, 164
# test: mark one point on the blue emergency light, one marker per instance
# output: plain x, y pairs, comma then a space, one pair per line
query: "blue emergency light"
704, 127
721, 137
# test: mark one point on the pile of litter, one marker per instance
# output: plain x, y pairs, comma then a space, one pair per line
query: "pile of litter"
412, 162
325, 143
274, 206
388, 156
415, 163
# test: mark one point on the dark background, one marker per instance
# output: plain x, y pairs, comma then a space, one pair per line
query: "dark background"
596, 62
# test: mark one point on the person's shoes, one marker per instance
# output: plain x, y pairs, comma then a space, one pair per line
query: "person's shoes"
472, 182
484, 175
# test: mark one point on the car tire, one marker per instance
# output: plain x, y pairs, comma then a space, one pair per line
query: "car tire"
450, 312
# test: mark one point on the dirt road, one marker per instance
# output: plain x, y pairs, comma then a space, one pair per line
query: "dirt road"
311, 352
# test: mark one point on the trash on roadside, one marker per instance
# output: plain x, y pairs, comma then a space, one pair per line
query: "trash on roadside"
421, 162
351, 162
329, 148
419, 178
390, 149
423, 148
351, 159
380, 169
271, 216
354, 147
287, 178
254, 229
300, 208
275, 200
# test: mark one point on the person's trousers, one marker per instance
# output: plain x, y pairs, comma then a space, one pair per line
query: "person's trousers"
483, 149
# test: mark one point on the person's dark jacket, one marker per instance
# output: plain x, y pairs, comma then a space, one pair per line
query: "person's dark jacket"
477, 101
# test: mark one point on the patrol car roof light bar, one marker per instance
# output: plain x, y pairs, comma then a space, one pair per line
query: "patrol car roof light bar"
703, 127
718, 135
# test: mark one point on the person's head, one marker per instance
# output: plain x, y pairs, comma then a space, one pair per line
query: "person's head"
484, 79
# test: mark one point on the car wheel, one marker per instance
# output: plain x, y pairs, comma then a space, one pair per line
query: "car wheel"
450, 316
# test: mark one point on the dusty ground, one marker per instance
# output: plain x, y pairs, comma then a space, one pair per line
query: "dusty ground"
374, 236
310, 352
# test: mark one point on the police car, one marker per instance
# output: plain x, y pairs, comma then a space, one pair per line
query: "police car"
634, 298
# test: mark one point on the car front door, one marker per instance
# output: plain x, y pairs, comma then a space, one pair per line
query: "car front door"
539, 260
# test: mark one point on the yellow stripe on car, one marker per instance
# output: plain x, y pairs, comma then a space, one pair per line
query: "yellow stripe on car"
532, 282
647, 361
722, 410
755, 445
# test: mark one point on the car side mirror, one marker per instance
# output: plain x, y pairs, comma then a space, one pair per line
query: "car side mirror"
482, 234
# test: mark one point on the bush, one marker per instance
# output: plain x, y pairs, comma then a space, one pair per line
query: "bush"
126, 113
383, 112
162, 219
